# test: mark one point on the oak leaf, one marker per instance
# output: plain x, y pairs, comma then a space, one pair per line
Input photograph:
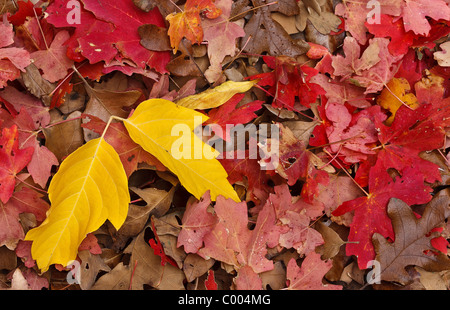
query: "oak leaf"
412, 240
266, 35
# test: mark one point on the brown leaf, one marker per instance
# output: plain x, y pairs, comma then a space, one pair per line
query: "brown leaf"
195, 266
7, 6
333, 241
266, 35
412, 240
105, 103
286, 7
154, 38
64, 138
37, 85
323, 20
148, 269
117, 279
91, 265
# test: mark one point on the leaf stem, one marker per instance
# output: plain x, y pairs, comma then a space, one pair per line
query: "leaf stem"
396, 97
40, 28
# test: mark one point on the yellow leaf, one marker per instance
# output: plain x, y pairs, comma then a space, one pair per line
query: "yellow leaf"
215, 97
89, 188
156, 125
392, 96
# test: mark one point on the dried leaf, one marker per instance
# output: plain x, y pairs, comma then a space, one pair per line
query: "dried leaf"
412, 240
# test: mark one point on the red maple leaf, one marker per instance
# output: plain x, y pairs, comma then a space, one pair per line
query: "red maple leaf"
26, 9
414, 13
289, 80
232, 242
373, 68
310, 275
246, 168
197, 222
415, 131
370, 211
12, 161
400, 39
108, 31
228, 114
12, 59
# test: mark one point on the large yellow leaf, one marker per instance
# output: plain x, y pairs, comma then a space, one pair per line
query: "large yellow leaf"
89, 188
217, 96
151, 126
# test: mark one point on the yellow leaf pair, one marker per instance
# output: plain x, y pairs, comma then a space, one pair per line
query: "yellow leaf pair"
91, 185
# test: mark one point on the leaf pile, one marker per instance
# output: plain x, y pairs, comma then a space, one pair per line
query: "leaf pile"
92, 196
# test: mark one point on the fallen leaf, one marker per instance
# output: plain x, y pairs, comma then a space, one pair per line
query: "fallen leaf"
411, 241
409, 187
12, 59
13, 160
221, 35
396, 94
24, 200
187, 24
197, 173
79, 202
53, 61
216, 96
197, 222
309, 276
266, 35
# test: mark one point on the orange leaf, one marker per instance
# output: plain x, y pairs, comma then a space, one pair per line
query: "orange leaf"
187, 24
394, 95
